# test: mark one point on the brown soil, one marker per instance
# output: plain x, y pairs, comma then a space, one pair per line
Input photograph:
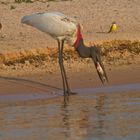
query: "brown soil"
26, 52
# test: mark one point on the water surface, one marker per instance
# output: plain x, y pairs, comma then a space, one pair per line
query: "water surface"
98, 114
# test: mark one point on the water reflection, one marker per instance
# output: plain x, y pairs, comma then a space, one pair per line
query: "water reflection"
99, 116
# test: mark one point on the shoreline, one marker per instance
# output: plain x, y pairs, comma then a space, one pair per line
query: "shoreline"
52, 83
29, 54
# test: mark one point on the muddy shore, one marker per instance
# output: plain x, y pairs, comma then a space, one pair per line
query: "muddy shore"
51, 83
27, 54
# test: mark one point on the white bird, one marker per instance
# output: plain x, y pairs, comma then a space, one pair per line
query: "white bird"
64, 28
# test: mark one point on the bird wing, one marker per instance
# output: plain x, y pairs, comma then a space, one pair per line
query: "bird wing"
110, 29
54, 23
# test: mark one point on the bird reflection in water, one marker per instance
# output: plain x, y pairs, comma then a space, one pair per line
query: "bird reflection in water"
78, 122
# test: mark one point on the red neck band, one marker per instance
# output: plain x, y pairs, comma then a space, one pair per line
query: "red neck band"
79, 36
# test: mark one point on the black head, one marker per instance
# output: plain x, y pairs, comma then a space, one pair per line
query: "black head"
113, 22
96, 57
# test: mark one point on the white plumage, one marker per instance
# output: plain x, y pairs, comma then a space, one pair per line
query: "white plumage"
56, 24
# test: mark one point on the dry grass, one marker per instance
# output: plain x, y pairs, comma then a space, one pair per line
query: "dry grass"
35, 61
112, 52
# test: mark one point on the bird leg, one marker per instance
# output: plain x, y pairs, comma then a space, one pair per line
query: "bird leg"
68, 91
63, 74
60, 64
66, 88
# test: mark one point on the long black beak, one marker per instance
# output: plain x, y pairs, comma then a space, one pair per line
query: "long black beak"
96, 57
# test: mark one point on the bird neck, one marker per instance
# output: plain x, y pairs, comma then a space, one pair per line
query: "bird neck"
83, 51
79, 37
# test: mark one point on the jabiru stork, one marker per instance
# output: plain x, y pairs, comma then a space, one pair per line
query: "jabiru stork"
66, 29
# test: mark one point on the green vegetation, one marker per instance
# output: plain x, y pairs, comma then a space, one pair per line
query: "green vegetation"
26, 1
12, 7
58, 0
5, 3
31, 1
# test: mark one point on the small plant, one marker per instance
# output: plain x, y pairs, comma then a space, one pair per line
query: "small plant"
26, 1
59, 0
5, 3
12, 7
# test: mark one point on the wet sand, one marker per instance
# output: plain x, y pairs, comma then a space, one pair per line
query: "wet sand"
26, 63
45, 83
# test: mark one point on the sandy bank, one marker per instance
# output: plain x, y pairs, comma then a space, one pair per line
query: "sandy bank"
25, 51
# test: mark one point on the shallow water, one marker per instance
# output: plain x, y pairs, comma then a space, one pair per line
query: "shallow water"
107, 113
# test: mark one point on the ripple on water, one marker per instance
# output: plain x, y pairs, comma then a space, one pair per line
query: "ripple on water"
103, 115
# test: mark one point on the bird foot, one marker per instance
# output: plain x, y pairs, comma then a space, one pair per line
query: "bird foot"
68, 93
71, 93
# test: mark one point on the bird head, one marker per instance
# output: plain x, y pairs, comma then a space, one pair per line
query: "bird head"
96, 57
113, 22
